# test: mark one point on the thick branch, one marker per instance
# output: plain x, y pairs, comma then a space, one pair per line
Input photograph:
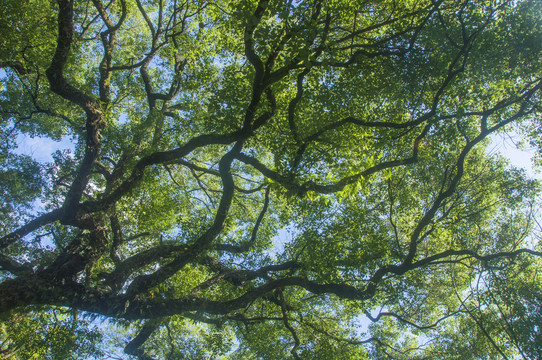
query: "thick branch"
145, 282
32, 225
59, 85
134, 346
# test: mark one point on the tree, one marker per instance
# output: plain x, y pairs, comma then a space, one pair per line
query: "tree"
252, 179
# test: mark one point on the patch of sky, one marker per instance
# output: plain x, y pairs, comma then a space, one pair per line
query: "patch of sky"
508, 146
361, 323
41, 148
284, 237
123, 119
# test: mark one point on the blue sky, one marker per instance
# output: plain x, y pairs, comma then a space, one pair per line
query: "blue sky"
40, 148
506, 145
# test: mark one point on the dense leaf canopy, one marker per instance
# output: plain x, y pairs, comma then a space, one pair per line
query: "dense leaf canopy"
269, 179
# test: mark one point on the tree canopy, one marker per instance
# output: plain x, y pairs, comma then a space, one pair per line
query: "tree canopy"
270, 179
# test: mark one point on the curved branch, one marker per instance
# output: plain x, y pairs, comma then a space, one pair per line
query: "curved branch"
15, 65
55, 72
59, 85
134, 346
159, 157
246, 246
408, 322
249, 42
143, 283
125, 268
14, 267
288, 326
301, 189
108, 41
459, 170
32, 225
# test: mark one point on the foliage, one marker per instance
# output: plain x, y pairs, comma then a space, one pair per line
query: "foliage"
263, 179
44, 334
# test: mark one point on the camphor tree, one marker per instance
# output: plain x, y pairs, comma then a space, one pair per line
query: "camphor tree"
260, 179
